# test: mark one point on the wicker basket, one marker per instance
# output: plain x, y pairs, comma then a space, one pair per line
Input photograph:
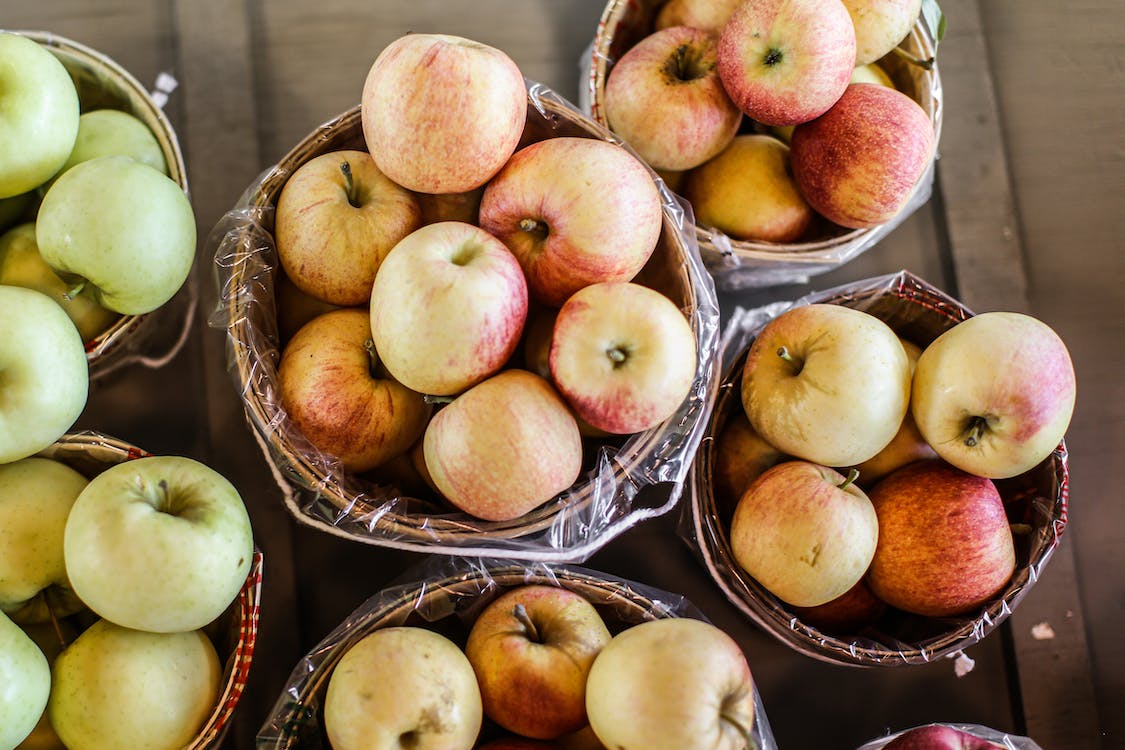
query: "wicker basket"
1037, 498
153, 338
446, 595
604, 501
744, 264
236, 631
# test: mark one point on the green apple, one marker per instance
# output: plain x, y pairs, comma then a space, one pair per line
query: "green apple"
161, 543
22, 265
38, 114
121, 227
25, 682
111, 132
36, 495
51, 638
120, 688
45, 376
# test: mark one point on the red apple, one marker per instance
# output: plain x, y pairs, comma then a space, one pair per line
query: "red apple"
741, 455
938, 737
848, 613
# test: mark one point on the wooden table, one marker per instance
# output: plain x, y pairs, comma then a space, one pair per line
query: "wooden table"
1026, 215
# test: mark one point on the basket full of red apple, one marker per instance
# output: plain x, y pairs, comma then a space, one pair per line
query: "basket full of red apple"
884, 476
800, 132
463, 319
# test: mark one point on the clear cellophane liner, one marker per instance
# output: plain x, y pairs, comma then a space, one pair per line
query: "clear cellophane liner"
624, 480
234, 633
743, 264
152, 339
1001, 739
1036, 500
446, 594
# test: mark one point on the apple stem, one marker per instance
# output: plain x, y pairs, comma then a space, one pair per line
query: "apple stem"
520, 613
349, 183
75, 290
430, 398
55, 623
976, 429
535, 227
926, 64
853, 474
373, 360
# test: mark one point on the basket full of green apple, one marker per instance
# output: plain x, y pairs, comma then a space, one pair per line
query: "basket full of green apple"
462, 318
501, 656
82, 145
884, 476
800, 132
129, 592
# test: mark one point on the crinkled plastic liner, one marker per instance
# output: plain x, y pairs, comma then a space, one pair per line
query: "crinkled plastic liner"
155, 338
740, 264
626, 480
1003, 739
1038, 499
445, 594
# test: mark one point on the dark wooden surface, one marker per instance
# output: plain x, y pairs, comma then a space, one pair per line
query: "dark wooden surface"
1026, 214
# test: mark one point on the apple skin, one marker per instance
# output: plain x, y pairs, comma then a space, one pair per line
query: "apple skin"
531, 649
1007, 373
447, 308
51, 638
337, 218
112, 132
905, 447
785, 62
741, 455
123, 227
664, 97
46, 377
332, 389
479, 93
709, 15
574, 212
623, 356
938, 737
804, 533
504, 447
36, 495
872, 73
159, 543
858, 163
880, 25
748, 192
671, 683
402, 684
116, 687
38, 114
25, 682
437, 207
295, 308
848, 613
945, 547
841, 398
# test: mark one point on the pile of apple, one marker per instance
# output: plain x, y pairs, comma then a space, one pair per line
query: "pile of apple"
921, 433
542, 666
412, 271
768, 114
109, 587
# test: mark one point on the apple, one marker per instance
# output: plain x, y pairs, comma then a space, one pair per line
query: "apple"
905, 447
740, 456
46, 378
531, 649
22, 265
785, 62
448, 307
120, 227
159, 543
574, 211
402, 687
38, 114
805, 532
945, 547
51, 638
112, 132
747, 192
672, 683
442, 114
437, 207
665, 99
504, 447
995, 393
337, 218
25, 683
518, 743
826, 383
871, 73
623, 356
295, 308
848, 613
709, 15
334, 390
36, 495
117, 687
859, 162
938, 737
880, 25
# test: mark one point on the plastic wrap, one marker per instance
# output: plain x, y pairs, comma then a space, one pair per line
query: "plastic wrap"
1002, 739
446, 595
154, 338
739, 264
234, 633
625, 480
1036, 499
